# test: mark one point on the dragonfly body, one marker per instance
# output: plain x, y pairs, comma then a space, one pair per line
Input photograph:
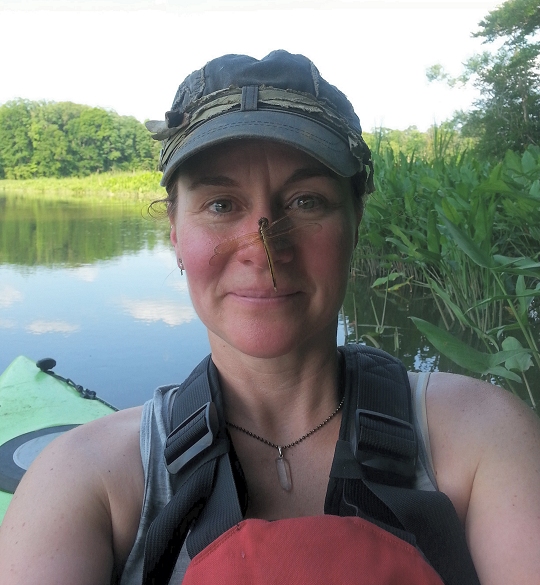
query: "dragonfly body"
280, 234
263, 226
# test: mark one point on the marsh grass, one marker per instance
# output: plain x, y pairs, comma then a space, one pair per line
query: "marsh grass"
114, 187
469, 232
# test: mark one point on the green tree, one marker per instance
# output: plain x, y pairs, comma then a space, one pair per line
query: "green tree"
93, 139
51, 154
48, 139
15, 142
515, 19
438, 142
410, 141
139, 150
507, 114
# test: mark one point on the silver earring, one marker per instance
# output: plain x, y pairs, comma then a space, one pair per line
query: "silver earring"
181, 266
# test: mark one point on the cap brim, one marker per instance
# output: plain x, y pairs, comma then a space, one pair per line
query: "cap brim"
295, 130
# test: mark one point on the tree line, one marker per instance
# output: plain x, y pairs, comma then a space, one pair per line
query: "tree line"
49, 139
506, 116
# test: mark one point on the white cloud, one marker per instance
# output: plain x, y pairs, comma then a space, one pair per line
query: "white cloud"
41, 327
169, 312
179, 285
7, 324
9, 295
86, 273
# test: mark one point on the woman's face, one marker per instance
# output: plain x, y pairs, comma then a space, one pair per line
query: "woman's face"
222, 194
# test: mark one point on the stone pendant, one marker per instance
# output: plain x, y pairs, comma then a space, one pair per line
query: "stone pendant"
284, 472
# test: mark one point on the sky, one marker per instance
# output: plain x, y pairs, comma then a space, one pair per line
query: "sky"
131, 55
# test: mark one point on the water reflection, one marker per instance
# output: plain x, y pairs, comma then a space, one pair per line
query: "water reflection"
9, 295
97, 288
36, 232
384, 321
41, 327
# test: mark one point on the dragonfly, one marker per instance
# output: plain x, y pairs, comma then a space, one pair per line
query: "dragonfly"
275, 236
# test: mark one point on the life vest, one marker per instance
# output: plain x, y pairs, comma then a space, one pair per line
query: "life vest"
315, 550
377, 529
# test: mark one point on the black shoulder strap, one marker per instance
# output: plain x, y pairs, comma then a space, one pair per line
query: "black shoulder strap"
375, 460
379, 420
371, 476
209, 482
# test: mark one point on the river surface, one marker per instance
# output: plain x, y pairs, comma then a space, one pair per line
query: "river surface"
97, 288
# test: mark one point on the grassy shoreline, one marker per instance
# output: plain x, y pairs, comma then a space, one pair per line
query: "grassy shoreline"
121, 187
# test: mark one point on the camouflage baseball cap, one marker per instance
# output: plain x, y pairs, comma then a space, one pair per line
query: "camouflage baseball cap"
281, 98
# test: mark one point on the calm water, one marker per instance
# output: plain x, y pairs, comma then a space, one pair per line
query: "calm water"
97, 288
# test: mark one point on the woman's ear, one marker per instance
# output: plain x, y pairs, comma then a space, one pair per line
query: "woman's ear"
173, 236
174, 239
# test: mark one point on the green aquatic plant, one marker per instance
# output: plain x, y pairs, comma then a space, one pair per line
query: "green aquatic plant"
468, 232
113, 187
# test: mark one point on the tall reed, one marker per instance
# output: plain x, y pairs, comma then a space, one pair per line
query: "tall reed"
469, 232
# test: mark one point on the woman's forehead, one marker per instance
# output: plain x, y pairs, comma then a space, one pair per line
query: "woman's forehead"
240, 155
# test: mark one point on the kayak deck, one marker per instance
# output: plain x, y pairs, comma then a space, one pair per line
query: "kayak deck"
34, 408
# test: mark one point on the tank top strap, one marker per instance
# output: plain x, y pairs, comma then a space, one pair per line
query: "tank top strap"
425, 473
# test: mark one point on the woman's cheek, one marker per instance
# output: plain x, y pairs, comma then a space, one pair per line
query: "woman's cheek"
197, 254
332, 253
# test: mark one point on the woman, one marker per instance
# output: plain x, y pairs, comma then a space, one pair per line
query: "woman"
253, 148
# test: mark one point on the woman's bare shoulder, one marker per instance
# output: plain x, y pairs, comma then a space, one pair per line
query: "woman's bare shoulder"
485, 445
83, 493
465, 411
468, 419
119, 432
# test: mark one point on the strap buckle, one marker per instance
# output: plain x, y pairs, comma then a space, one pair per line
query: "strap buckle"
191, 437
385, 444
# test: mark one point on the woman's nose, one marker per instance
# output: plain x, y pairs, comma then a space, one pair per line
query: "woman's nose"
264, 247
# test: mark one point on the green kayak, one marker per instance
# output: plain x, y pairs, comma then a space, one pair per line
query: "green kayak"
36, 405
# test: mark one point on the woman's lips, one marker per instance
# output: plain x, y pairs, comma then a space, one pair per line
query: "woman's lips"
263, 293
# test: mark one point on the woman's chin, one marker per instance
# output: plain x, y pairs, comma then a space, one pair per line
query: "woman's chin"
266, 343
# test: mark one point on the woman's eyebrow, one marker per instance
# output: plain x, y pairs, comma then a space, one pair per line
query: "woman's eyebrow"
213, 181
309, 173
298, 175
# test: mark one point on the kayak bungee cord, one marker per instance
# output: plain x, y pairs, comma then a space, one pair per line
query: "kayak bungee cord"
47, 364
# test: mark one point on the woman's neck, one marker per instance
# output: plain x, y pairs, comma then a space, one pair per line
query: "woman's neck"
279, 398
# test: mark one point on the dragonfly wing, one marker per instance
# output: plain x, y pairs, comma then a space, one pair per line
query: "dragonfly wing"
284, 238
280, 235
233, 245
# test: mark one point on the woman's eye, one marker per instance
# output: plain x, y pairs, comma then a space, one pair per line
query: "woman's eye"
305, 203
221, 206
